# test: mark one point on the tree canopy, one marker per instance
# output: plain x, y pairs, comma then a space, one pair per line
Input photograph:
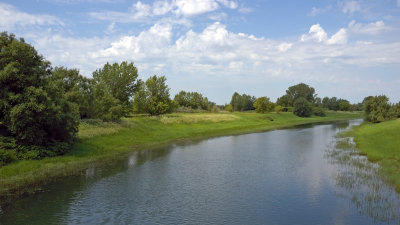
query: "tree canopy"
153, 97
263, 104
33, 109
242, 102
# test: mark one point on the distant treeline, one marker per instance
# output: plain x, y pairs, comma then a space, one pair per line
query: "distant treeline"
41, 106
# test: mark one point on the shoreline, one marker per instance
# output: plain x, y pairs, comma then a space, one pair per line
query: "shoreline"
28, 177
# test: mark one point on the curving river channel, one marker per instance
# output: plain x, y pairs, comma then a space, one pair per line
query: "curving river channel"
292, 176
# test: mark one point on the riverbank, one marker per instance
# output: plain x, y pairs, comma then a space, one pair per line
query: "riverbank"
380, 142
105, 142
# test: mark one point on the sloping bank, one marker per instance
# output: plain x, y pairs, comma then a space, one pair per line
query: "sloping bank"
105, 142
380, 142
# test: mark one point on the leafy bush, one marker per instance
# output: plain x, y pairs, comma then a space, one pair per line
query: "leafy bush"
302, 107
377, 108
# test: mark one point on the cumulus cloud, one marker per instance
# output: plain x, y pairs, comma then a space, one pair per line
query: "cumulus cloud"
11, 17
318, 34
351, 7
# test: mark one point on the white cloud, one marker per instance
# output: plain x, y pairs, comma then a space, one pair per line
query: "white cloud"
284, 46
351, 7
11, 17
339, 38
318, 34
369, 29
139, 11
194, 7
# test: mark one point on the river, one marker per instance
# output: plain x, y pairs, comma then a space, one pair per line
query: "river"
291, 176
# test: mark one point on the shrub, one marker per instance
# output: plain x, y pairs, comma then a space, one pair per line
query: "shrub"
302, 107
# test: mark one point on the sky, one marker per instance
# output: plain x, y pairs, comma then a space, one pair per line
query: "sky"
347, 49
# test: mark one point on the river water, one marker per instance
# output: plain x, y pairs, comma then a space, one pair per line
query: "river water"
292, 176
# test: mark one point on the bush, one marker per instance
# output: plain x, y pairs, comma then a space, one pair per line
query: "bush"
7, 156
319, 111
377, 108
302, 107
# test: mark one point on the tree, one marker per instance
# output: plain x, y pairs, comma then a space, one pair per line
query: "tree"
376, 108
344, 105
121, 80
283, 101
263, 105
33, 110
298, 91
302, 107
76, 88
105, 105
242, 102
153, 97
215, 109
193, 100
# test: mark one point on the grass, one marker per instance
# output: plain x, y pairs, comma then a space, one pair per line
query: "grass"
104, 142
381, 143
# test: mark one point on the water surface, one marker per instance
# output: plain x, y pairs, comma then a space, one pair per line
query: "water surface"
278, 177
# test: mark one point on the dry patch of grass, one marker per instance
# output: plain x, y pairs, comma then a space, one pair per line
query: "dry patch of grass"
196, 118
92, 128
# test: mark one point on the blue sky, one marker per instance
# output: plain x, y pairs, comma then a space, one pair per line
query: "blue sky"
347, 49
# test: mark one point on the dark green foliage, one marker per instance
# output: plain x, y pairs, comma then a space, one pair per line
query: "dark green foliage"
376, 108
34, 112
298, 91
193, 100
153, 97
344, 105
302, 107
263, 105
32, 109
121, 81
336, 104
76, 88
105, 106
319, 111
242, 102
394, 111
283, 101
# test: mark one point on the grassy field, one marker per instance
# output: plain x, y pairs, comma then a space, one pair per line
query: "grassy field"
104, 142
381, 143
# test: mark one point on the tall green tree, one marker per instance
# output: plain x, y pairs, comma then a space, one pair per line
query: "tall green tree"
33, 110
300, 90
76, 88
121, 80
242, 102
153, 97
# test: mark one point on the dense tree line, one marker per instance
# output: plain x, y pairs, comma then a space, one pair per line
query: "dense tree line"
193, 100
242, 102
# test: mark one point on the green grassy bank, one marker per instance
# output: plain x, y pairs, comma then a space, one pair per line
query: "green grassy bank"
104, 142
381, 143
